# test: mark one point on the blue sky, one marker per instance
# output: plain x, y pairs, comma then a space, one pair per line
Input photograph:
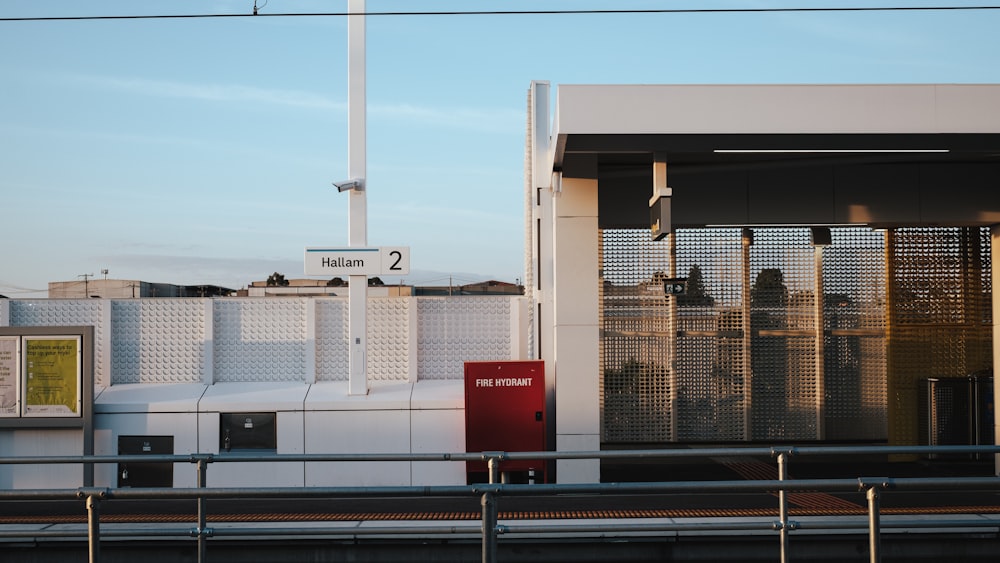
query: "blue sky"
202, 150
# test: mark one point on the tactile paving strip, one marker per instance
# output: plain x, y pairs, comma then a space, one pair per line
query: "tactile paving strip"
827, 503
532, 515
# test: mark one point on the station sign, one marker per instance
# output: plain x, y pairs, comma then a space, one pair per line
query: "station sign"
360, 261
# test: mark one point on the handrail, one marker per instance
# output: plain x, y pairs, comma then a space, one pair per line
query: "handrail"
759, 451
490, 529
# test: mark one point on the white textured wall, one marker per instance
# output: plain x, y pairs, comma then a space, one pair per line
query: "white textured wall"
451, 330
158, 341
259, 340
277, 339
171, 366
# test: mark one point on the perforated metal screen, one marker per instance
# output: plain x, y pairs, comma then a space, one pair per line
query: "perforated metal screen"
710, 365
636, 338
854, 347
747, 352
941, 317
785, 385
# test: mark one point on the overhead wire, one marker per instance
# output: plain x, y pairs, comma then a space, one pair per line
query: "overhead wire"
256, 13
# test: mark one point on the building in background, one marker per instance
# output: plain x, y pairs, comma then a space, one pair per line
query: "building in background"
135, 289
320, 288
131, 289
491, 287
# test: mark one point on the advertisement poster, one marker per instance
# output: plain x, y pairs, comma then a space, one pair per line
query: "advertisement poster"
52, 376
8, 376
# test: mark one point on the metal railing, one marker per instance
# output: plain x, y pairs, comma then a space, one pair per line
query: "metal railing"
490, 529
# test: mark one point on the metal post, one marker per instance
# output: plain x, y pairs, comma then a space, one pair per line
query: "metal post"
94, 527
783, 506
493, 466
660, 186
819, 355
874, 532
357, 224
746, 241
995, 251
489, 528
202, 512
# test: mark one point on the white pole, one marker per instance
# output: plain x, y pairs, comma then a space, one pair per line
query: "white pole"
358, 210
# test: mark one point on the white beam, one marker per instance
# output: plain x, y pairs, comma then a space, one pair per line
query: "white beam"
358, 210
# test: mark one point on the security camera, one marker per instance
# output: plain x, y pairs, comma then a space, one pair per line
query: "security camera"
352, 184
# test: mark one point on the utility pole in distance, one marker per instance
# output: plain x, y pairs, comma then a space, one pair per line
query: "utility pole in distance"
86, 285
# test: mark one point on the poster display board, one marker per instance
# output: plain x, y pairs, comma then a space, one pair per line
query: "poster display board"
10, 388
51, 368
46, 377
47, 382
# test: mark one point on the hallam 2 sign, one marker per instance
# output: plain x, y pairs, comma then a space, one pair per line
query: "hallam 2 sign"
361, 261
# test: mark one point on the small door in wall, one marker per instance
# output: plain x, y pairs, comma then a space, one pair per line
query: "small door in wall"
248, 431
153, 474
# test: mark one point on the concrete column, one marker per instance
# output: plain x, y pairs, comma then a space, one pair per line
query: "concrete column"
575, 328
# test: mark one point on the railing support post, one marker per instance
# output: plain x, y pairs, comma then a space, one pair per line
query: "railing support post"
783, 506
489, 503
94, 527
493, 466
202, 512
874, 527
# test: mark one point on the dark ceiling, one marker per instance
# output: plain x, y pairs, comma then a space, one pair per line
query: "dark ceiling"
697, 153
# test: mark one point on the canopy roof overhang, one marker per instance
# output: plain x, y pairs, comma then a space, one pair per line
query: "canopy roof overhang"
881, 155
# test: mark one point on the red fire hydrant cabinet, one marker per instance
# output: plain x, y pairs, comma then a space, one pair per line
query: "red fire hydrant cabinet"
505, 412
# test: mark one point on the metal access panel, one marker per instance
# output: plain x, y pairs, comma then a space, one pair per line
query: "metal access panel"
154, 474
254, 431
505, 411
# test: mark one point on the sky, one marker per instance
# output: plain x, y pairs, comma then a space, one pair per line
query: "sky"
202, 150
